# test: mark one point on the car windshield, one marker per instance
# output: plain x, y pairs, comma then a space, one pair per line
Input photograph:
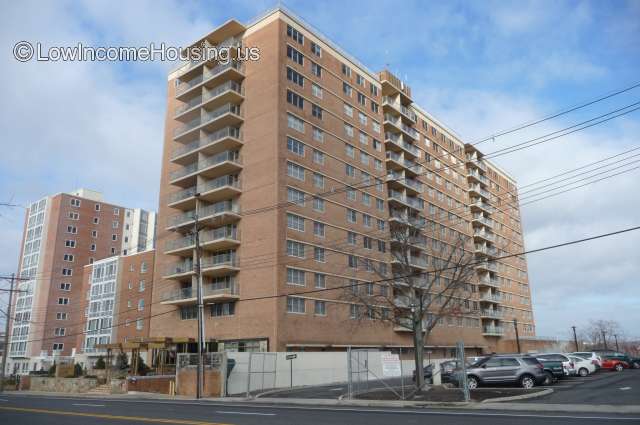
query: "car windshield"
530, 360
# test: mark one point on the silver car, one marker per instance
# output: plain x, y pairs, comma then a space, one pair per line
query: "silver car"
524, 370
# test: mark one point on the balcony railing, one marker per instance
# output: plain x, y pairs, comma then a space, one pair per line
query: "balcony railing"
230, 260
221, 207
218, 183
494, 314
476, 188
222, 88
477, 176
208, 117
485, 235
179, 268
405, 162
396, 139
409, 130
483, 205
181, 195
486, 265
493, 330
207, 140
491, 297
207, 74
486, 250
482, 219
227, 156
207, 291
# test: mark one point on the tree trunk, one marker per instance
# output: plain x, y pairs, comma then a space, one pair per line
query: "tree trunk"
418, 350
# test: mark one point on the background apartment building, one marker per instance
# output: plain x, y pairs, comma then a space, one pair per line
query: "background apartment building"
298, 166
117, 302
62, 234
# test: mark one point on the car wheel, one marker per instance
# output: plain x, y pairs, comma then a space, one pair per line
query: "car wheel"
548, 378
619, 367
472, 382
636, 365
527, 382
583, 372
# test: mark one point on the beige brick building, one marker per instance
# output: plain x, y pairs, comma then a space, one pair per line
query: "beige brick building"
262, 151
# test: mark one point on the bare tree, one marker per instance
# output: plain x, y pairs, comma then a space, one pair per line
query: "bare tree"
421, 290
602, 334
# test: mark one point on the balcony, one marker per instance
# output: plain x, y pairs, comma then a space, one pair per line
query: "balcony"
220, 264
214, 239
222, 163
412, 260
483, 206
183, 199
219, 189
492, 331
210, 295
228, 138
395, 140
489, 281
180, 271
488, 313
404, 218
487, 266
229, 92
489, 297
400, 181
489, 251
210, 78
398, 162
220, 213
480, 219
475, 175
407, 113
477, 190
224, 116
406, 201
190, 65
487, 236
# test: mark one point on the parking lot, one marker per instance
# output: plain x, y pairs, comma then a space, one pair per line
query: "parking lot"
602, 387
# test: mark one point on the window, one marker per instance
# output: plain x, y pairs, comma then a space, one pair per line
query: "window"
316, 90
115, 224
295, 249
382, 247
348, 129
350, 150
96, 220
97, 207
367, 242
360, 80
366, 219
295, 123
295, 196
295, 222
140, 304
364, 158
65, 286
141, 286
295, 277
295, 55
361, 99
352, 238
62, 316
114, 237
376, 126
353, 311
316, 69
67, 272
315, 49
374, 107
72, 229
319, 254
63, 301
295, 305
189, 313
363, 138
374, 90
318, 204
318, 180
295, 77
319, 229
223, 309
346, 70
74, 215
295, 99
320, 308
75, 202
68, 258
116, 211
139, 323
59, 331
369, 288
352, 261
295, 171
58, 346
352, 216
295, 146
320, 280
318, 135
348, 109
295, 34
318, 157
70, 243
316, 111
93, 247
380, 204
350, 170
143, 267
94, 233
346, 89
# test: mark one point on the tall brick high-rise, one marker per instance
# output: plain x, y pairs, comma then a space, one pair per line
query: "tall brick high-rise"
62, 234
262, 150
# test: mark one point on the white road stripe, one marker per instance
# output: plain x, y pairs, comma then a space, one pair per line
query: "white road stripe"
88, 404
226, 412
625, 388
2, 399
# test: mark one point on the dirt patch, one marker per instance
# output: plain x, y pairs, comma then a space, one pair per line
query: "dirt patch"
438, 394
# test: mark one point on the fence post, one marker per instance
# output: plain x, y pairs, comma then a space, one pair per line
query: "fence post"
249, 375
349, 383
463, 367
401, 372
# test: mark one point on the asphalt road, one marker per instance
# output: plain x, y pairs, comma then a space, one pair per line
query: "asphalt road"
40, 410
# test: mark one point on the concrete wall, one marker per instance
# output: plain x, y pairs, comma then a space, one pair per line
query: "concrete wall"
150, 384
62, 385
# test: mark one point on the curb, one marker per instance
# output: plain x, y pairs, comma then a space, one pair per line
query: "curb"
519, 397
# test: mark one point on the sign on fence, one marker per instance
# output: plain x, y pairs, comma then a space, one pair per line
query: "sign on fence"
391, 365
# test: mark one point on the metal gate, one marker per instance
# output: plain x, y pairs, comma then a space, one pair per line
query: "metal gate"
261, 372
357, 370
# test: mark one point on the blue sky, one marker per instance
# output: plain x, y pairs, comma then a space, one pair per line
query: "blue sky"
478, 66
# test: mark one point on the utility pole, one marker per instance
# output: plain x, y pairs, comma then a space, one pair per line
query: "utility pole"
5, 353
575, 338
200, 305
604, 340
515, 325
616, 339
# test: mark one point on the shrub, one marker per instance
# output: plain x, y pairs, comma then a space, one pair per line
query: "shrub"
100, 364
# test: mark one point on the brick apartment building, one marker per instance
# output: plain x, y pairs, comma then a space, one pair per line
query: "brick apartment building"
291, 130
62, 234
117, 302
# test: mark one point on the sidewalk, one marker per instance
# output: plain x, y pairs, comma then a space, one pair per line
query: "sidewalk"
283, 403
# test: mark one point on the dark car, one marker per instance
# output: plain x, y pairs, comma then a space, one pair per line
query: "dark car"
447, 369
553, 370
521, 369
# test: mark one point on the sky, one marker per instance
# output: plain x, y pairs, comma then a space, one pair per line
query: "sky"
479, 67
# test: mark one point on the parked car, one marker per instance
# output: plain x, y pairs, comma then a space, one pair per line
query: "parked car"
567, 364
584, 366
591, 356
633, 362
428, 374
613, 363
553, 370
521, 369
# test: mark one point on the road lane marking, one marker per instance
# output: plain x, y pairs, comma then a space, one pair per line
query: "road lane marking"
88, 404
5, 400
227, 412
625, 388
112, 417
335, 389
